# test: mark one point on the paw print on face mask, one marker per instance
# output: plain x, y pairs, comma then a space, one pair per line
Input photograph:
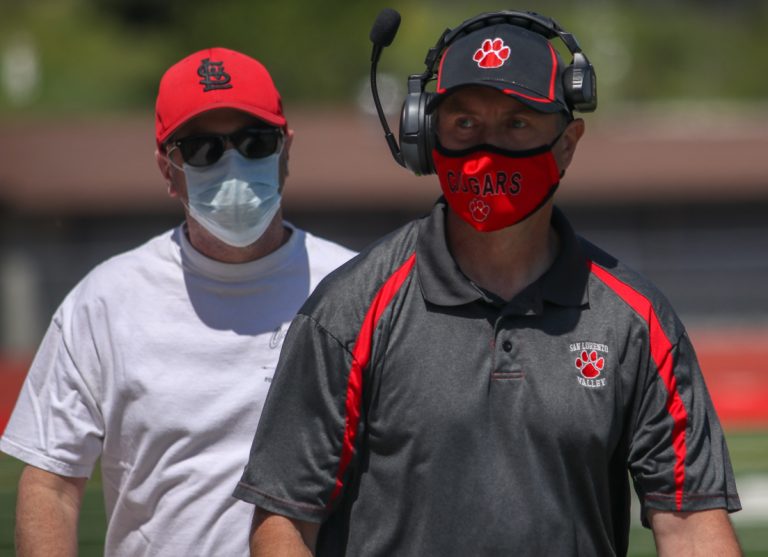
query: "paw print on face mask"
479, 209
590, 364
493, 54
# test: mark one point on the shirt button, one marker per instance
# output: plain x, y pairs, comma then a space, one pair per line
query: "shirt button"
507, 346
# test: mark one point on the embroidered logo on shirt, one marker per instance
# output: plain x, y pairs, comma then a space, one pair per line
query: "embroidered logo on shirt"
590, 363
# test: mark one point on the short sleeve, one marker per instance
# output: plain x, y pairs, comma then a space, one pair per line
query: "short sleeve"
296, 467
56, 424
678, 455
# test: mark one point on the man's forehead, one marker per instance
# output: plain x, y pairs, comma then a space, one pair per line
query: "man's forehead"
474, 97
219, 120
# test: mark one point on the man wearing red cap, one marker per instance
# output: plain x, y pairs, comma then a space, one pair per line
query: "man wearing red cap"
484, 382
158, 362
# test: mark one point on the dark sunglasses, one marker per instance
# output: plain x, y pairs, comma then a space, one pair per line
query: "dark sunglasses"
206, 149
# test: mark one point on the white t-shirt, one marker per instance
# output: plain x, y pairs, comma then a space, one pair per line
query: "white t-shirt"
158, 362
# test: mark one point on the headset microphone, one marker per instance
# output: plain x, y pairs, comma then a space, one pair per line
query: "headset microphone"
382, 34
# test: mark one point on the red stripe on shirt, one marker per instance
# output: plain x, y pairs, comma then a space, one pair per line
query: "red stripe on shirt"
361, 355
661, 352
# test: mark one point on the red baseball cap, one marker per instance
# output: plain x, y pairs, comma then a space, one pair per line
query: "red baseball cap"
215, 78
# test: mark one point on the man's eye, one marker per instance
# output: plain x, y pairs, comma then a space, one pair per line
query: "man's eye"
464, 123
517, 124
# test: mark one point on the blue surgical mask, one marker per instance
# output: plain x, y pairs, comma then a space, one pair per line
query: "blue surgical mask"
235, 199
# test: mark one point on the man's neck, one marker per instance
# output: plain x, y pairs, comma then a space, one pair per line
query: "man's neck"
203, 241
506, 261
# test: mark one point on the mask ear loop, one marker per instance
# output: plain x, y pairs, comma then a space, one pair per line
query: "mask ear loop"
167, 155
558, 136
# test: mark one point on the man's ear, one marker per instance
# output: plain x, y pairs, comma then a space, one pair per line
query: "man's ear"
566, 147
288, 143
285, 155
288, 139
166, 170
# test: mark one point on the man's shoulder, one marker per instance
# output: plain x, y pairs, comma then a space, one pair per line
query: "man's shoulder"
120, 271
616, 268
636, 291
356, 282
157, 247
323, 251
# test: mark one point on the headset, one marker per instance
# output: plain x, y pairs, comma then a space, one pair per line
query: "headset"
417, 135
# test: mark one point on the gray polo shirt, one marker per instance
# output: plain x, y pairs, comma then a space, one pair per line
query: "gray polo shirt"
415, 414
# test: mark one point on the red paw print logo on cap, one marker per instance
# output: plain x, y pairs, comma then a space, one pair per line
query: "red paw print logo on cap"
492, 54
479, 209
590, 364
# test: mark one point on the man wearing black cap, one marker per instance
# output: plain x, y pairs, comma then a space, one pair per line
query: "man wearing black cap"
482, 381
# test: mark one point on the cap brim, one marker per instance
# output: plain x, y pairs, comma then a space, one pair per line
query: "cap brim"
259, 113
537, 103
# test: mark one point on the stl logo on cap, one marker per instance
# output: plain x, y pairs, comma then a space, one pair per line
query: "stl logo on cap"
492, 54
213, 75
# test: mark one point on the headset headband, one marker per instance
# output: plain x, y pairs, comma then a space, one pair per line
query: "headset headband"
537, 23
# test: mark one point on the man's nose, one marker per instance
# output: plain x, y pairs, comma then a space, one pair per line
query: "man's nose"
498, 136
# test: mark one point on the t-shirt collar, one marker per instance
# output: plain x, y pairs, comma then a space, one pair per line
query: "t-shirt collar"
197, 263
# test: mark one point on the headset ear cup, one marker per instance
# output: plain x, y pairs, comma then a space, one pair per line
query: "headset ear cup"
580, 84
571, 92
415, 142
428, 135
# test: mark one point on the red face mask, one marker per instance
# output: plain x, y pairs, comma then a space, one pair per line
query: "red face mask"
492, 188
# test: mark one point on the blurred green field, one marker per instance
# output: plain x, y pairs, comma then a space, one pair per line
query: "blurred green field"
749, 452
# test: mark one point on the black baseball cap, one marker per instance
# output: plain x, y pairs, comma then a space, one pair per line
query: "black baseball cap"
516, 61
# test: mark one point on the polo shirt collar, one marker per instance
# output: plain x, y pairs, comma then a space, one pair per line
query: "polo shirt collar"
443, 283
565, 282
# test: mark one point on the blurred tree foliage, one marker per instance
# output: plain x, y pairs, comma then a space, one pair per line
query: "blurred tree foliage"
76, 56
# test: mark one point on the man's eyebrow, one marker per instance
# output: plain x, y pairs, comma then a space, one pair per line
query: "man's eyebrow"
452, 106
